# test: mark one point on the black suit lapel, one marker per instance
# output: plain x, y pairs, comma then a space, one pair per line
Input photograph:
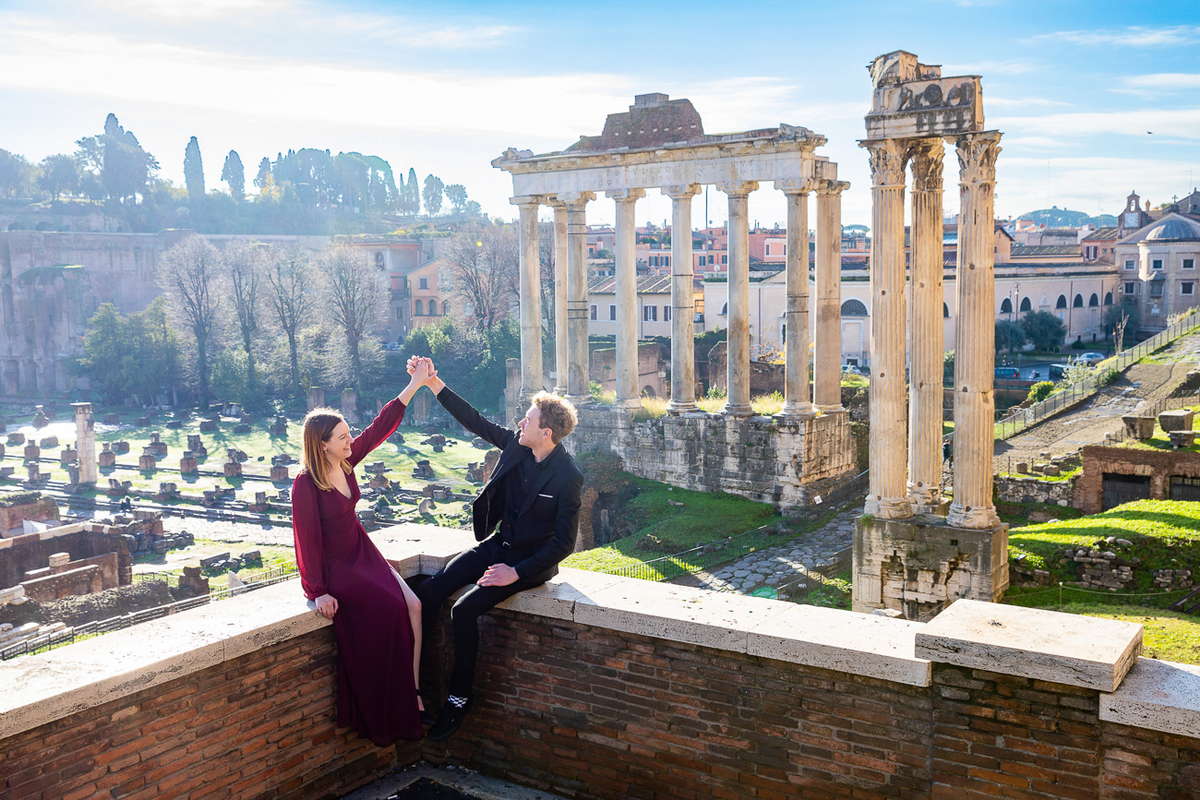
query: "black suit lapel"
541, 478
508, 459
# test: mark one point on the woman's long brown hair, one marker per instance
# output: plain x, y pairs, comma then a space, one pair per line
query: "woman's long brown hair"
318, 427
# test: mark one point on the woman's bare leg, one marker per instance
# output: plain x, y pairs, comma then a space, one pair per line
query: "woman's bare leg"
414, 618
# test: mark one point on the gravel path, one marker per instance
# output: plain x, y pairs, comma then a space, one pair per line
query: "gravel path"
786, 564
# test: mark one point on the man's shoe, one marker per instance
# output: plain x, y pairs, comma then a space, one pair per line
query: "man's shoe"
449, 720
427, 717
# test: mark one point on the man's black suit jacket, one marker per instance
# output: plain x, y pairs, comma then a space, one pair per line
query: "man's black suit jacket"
547, 524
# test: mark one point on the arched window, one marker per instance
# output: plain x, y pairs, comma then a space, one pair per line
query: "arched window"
1005, 307
1062, 301
1093, 301
1108, 300
445, 308
853, 308
1026, 305
418, 308
945, 311
379, 259
1078, 301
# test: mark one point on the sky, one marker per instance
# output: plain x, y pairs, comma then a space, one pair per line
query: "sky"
1094, 98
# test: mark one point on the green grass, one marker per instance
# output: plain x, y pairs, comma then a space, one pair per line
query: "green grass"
1065, 475
703, 518
1165, 534
833, 591
852, 381
1161, 441
1169, 635
1017, 514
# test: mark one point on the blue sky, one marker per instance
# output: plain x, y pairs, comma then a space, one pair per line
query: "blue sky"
1094, 98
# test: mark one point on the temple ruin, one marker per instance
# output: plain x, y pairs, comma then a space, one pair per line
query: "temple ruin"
660, 144
911, 552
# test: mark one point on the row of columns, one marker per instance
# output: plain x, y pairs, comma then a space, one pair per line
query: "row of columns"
906, 449
803, 396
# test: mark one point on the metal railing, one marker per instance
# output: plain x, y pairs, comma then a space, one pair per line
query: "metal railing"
37, 644
1024, 418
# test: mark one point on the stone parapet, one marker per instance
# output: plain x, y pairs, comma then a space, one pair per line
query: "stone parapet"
728, 696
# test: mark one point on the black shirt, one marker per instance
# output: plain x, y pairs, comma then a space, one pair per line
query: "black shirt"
517, 486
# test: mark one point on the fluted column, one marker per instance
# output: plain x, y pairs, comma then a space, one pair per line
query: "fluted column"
827, 360
737, 353
532, 379
797, 388
975, 355
577, 304
925, 331
626, 297
560, 297
888, 493
683, 301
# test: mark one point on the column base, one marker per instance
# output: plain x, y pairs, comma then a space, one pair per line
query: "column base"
797, 410
833, 409
682, 407
628, 404
579, 399
927, 501
973, 517
737, 410
561, 391
921, 565
888, 507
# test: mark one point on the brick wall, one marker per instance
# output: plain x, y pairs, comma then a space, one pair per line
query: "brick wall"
1140, 764
30, 552
43, 510
1159, 465
260, 725
588, 712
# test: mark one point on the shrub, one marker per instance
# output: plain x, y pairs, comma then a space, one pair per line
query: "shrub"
1039, 391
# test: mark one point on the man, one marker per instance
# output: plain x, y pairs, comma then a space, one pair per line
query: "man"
525, 520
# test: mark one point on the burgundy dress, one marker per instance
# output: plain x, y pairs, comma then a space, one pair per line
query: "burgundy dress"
375, 692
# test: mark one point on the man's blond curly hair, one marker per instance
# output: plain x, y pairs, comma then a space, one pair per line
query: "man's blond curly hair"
557, 413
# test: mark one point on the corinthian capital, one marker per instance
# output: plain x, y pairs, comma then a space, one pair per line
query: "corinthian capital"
887, 161
977, 153
926, 158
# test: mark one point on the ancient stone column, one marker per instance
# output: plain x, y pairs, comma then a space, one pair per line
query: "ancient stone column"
887, 495
827, 360
532, 380
925, 330
85, 443
797, 388
560, 297
626, 297
683, 301
975, 354
577, 304
737, 399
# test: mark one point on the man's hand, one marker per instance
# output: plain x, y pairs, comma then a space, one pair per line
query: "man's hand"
498, 575
327, 605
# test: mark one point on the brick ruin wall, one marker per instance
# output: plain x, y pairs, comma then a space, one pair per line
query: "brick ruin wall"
762, 458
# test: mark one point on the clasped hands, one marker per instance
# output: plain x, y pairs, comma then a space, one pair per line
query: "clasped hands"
423, 373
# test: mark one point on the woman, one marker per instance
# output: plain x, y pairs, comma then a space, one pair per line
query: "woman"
376, 617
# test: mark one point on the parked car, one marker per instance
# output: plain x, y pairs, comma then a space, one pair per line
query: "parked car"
1008, 374
1091, 359
1057, 371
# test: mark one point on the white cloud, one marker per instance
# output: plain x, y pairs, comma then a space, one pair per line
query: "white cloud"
1131, 36
1095, 184
190, 10
1182, 123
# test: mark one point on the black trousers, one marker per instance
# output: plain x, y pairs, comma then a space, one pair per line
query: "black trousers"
462, 570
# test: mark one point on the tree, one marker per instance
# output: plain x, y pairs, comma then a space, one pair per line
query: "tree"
456, 193
193, 170
288, 280
244, 270
412, 191
1009, 336
126, 169
264, 173
433, 194
130, 357
16, 175
189, 274
60, 175
234, 175
1120, 321
483, 268
354, 294
1045, 330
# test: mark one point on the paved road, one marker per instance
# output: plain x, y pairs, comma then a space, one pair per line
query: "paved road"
1088, 422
